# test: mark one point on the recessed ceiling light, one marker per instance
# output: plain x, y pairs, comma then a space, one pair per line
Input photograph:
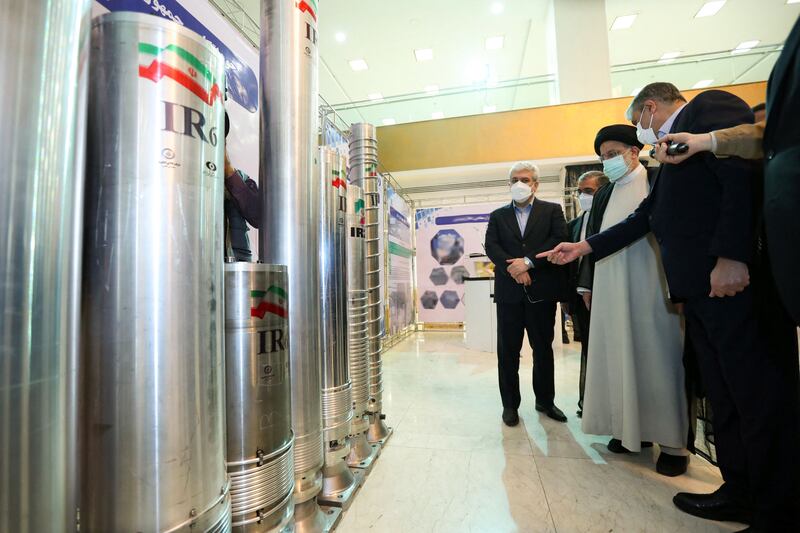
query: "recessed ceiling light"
702, 84
436, 115
497, 8
423, 54
793, 1
489, 108
358, 64
375, 96
746, 46
710, 9
389, 122
624, 22
636, 91
494, 43
340, 37
432, 89
669, 57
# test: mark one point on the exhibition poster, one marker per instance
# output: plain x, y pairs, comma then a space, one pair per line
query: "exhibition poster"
400, 302
446, 236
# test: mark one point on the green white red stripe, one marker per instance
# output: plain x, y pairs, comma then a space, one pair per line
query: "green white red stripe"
266, 306
181, 66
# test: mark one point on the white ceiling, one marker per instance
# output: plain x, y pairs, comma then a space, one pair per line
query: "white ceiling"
386, 33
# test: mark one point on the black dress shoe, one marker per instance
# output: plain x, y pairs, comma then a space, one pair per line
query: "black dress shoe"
672, 465
510, 417
714, 506
552, 412
615, 446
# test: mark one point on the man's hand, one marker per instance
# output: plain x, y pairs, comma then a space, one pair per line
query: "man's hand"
566, 252
523, 279
587, 299
516, 266
697, 143
728, 278
229, 168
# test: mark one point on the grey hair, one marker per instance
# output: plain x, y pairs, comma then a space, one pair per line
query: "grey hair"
602, 179
524, 165
660, 90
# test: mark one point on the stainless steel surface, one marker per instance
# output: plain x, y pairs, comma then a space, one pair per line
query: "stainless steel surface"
362, 452
340, 483
152, 319
291, 210
357, 302
378, 432
309, 517
337, 403
43, 70
364, 172
258, 407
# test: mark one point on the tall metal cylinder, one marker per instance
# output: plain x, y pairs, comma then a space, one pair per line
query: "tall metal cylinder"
364, 169
152, 321
338, 483
361, 452
43, 58
258, 391
291, 212
337, 406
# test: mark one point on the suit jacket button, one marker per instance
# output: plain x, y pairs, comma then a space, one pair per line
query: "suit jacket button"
770, 154
524, 245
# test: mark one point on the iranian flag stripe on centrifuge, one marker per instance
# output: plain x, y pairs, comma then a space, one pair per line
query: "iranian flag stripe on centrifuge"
272, 300
181, 66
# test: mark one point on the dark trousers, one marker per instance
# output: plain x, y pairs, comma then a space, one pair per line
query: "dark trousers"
513, 320
580, 321
747, 353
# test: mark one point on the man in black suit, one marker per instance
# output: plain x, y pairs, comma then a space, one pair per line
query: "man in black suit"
701, 213
588, 184
526, 289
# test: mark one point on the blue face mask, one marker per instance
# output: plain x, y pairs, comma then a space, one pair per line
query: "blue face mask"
615, 168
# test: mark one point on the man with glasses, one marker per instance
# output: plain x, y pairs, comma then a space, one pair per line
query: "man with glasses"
588, 184
526, 289
635, 378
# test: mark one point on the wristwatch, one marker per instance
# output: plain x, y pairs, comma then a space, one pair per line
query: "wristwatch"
528, 261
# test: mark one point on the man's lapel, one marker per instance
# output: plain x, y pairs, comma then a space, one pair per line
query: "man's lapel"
533, 218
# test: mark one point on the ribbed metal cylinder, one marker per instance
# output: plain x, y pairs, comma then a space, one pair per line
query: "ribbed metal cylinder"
44, 68
357, 301
364, 172
152, 307
289, 233
337, 403
258, 391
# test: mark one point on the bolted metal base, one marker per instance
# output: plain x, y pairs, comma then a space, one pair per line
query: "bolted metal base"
339, 490
309, 517
378, 431
362, 453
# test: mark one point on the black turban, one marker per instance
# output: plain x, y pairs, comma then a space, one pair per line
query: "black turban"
618, 132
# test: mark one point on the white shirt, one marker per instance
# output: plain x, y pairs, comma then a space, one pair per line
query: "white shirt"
667, 126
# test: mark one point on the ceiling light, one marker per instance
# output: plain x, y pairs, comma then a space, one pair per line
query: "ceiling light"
489, 108
745, 47
793, 1
669, 57
710, 9
389, 122
497, 8
375, 96
436, 115
494, 43
358, 64
636, 91
624, 22
423, 54
432, 89
340, 37
702, 84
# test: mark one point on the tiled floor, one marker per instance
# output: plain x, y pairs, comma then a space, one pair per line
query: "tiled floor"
452, 466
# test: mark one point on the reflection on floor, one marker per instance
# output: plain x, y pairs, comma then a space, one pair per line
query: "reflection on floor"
452, 466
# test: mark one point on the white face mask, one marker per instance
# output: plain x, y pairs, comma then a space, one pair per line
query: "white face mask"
615, 168
646, 136
520, 192
585, 200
